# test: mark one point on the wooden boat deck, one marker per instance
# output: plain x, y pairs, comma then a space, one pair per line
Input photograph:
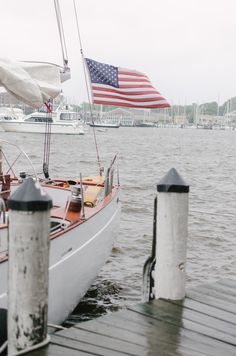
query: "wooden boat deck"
202, 324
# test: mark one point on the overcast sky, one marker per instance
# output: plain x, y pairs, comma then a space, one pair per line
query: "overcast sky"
186, 47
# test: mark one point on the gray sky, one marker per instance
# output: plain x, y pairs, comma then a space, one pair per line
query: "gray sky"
186, 47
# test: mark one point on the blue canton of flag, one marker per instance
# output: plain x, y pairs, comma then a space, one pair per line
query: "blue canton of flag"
103, 73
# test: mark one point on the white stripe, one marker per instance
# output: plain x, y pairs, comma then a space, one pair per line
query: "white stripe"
124, 90
145, 103
130, 71
139, 96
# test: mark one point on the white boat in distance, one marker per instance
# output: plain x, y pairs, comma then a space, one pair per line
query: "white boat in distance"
105, 124
62, 121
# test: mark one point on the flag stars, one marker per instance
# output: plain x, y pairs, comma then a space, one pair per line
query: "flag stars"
103, 73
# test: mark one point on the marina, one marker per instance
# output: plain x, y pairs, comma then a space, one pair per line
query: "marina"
117, 242
206, 158
211, 245
200, 324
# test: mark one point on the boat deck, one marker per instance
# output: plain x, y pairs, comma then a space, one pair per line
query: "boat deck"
203, 324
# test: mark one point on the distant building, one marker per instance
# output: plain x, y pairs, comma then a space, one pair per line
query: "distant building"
124, 117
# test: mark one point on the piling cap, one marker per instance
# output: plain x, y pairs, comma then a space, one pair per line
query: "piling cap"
172, 182
30, 197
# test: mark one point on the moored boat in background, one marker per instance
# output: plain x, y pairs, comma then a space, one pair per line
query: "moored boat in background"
105, 124
63, 121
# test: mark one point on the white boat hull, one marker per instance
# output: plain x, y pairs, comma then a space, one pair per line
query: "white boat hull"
72, 275
37, 127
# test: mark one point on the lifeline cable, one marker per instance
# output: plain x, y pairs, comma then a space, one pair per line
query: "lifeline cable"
47, 139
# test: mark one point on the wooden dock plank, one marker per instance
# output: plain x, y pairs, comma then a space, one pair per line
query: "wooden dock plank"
212, 300
158, 309
104, 341
55, 350
157, 333
83, 346
218, 292
204, 323
163, 347
162, 344
198, 317
165, 330
207, 309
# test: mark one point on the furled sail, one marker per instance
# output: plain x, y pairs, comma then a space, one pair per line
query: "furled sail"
32, 82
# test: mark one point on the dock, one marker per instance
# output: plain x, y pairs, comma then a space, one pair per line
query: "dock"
204, 323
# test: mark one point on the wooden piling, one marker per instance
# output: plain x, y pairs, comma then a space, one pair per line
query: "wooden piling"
171, 237
29, 226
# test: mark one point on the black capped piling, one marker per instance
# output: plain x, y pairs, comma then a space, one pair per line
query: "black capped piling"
171, 244
29, 227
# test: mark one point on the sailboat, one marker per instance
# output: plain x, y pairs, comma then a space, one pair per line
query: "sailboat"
86, 210
105, 124
84, 222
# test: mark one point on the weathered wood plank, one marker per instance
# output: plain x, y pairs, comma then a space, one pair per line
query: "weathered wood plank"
218, 292
212, 300
140, 323
207, 309
81, 346
221, 288
202, 324
162, 344
158, 334
159, 348
112, 344
193, 321
204, 318
55, 350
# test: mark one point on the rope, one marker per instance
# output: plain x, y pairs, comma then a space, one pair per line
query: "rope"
87, 90
61, 32
47, 139
43, 343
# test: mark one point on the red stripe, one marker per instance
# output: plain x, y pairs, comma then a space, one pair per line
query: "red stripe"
123, 97
143, 80
148, 106
146, 92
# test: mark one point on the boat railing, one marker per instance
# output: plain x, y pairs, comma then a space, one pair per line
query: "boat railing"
110, 175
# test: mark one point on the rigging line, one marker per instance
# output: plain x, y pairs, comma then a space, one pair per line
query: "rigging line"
47, 139
87, 89
61, 32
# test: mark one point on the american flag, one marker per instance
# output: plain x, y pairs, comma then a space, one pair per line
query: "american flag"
122, 87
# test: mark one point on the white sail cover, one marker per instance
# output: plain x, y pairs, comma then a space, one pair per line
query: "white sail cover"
30, 82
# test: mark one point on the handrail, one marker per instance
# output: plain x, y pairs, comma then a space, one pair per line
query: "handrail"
109, 176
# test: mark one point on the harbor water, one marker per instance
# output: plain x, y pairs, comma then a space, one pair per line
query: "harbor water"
206, 159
